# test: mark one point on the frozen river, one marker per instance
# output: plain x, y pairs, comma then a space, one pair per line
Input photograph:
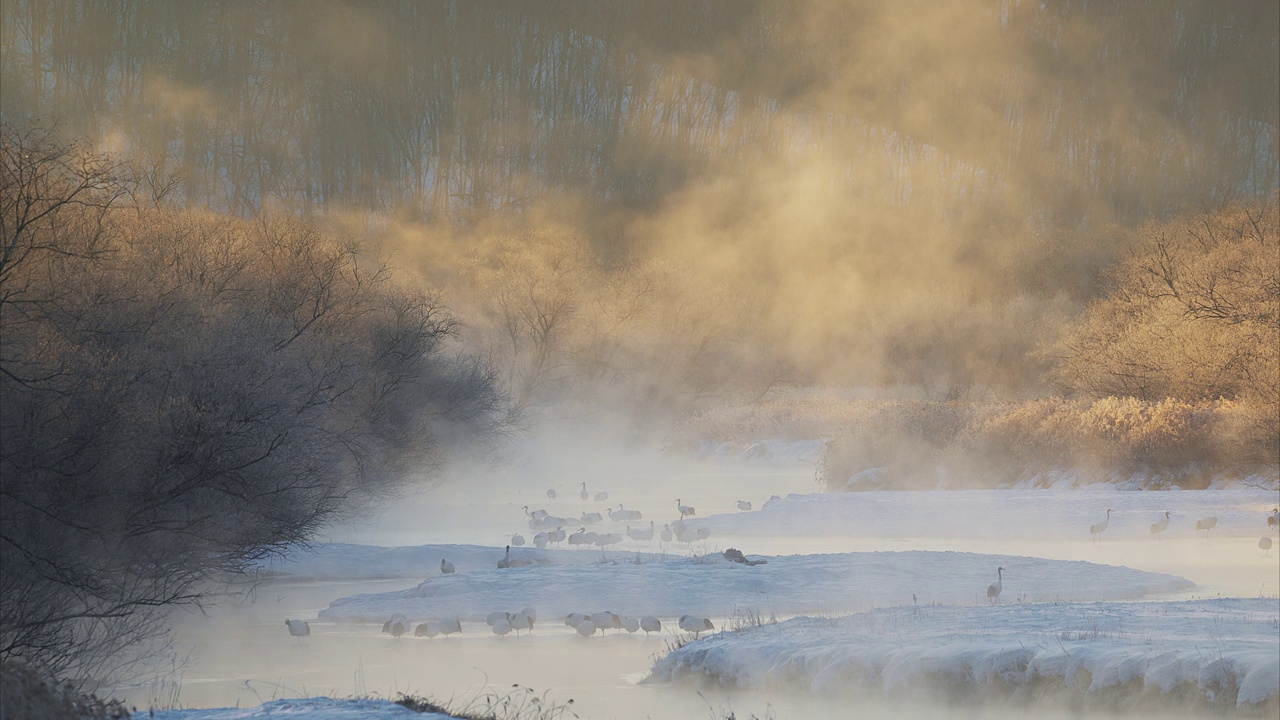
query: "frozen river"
241, 654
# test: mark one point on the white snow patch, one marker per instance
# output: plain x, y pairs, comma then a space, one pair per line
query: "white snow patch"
999, 514
1222, 647
341, 561
714, 587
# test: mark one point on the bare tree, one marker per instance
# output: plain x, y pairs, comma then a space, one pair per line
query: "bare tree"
1194, 314
185, 394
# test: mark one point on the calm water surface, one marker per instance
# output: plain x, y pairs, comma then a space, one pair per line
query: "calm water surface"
240, 654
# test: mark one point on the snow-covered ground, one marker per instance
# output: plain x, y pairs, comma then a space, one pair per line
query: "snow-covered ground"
714, 587
977, 516
1003, 514
318, 708
343, 561
1211, 653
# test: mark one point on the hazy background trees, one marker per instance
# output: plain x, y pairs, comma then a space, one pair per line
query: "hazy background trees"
185, 393
1125, 109
899, 157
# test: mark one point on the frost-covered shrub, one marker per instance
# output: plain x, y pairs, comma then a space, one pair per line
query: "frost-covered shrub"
787, 417
1122, 434
909, 440
186, 393
1193, 314
956, 444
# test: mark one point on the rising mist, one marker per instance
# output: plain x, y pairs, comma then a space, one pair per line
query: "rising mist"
903, 194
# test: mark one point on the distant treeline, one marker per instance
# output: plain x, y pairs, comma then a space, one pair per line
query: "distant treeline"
1066, 110
883, 193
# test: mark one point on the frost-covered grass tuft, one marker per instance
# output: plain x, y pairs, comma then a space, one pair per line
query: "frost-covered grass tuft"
518, 703
746, 618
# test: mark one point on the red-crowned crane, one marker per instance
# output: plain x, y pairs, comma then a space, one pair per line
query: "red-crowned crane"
994, 590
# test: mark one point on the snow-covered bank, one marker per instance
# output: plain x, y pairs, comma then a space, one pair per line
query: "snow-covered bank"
713, 587
1215, 653
998, 514
317, 708
341, 561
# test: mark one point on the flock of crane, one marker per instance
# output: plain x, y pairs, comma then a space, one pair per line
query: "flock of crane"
1206, 524
551, 529
502, 623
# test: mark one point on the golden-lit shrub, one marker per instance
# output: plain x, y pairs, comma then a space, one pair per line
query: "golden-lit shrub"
788, 417
651, 339
923, 444
1194, 314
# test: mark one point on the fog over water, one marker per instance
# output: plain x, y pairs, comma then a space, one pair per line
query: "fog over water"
239, 653
385, 273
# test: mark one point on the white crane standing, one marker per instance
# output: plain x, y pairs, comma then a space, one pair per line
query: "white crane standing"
640, 534
1160, 525
298, 628
396, 626
695, 625
685, 510
994, 590
522, 621
1096, 529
